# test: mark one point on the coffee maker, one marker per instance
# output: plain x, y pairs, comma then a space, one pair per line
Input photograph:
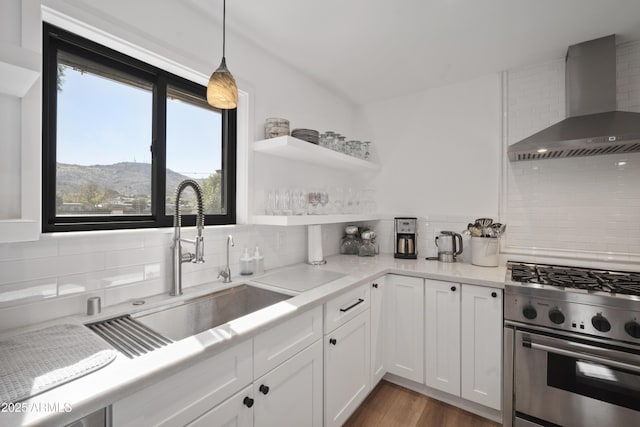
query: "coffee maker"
406, 231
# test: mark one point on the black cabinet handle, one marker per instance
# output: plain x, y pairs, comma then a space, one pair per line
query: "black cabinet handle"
453, 289
333, 341
344, 310
263, 389
248, 402
375, 285
494, 294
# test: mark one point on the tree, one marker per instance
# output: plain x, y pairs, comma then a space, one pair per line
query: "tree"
212, 193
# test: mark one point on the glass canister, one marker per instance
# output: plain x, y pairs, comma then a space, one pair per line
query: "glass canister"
350, 244
367, 248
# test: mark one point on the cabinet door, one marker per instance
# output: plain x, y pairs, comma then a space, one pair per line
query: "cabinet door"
347, 369
442, 335
291, 394
233, 412
185, 396
378, 368
405, 327
482, 345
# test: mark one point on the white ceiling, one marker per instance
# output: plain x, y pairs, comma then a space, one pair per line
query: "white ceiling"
371, 50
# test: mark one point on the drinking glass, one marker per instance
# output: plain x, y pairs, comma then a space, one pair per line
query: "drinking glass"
299, 202
285, 195
314, 200
270, 203
324, 199
337, 200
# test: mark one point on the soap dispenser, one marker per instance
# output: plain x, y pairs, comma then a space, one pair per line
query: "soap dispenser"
258, 261
246, 263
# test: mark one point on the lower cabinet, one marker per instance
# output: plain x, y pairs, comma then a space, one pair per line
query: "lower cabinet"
442, 335
233, 412
404, 297
378, 325
463, 334
347, 369
189, 394
481, 339
291, 394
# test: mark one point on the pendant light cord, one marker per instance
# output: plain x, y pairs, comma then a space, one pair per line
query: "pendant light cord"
224, 18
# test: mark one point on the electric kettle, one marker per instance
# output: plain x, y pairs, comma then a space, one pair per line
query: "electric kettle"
449, 245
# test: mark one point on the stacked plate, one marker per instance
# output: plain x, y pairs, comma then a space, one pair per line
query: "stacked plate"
274, 127
309, 135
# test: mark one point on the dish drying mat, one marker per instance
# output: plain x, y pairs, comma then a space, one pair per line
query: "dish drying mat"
34, 362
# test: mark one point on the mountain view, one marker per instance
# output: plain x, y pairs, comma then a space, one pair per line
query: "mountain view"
124, 189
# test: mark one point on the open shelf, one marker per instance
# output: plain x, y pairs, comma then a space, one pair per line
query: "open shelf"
311, 219
19, 69
302, 151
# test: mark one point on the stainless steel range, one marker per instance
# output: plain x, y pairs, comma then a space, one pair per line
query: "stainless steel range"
571, 346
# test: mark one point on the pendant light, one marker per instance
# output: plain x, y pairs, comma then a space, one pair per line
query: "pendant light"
222, 91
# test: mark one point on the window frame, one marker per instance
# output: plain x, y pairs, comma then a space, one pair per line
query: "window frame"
54, 39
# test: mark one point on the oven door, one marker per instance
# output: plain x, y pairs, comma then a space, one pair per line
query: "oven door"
564, 382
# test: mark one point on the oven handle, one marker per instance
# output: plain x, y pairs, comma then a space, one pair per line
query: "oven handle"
569, 353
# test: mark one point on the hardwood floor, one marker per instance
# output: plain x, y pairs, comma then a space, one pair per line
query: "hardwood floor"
390, 405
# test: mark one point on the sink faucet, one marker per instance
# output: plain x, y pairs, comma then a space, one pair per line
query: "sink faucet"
226, 272
198, 242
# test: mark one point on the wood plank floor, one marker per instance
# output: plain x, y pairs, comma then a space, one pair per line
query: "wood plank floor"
390, 405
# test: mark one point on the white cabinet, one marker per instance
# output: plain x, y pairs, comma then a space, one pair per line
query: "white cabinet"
405, 326
442, 336
347, 369
378, 366
482, 345
234, 412
188, 394
291, 394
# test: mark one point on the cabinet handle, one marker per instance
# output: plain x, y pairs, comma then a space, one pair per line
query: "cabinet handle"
333, 341
248, 402
375, 285
494, 294
344, 310
453, 289
263, 389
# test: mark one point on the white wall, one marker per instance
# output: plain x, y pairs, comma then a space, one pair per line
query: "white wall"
439, 149
440, 156
585, 207
54, 276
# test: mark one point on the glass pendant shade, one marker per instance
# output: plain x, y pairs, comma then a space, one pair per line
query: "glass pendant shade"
222, 91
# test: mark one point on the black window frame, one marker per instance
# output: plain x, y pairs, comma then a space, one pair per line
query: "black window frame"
55, 39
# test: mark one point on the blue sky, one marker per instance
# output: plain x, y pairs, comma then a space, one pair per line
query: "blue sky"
104, 122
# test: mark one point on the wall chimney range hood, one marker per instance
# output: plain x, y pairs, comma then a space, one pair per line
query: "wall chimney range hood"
593, 125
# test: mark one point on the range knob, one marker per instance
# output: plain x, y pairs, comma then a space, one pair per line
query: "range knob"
556, 316
632, 328
529, 312
601, 323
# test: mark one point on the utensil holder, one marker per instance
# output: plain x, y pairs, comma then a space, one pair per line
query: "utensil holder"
484, 251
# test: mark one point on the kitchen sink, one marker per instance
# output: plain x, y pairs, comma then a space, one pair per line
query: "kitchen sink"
208, 311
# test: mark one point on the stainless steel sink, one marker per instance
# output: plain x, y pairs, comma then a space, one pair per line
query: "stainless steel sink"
209, 311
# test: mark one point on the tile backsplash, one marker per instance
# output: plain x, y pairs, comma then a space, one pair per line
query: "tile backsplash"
54, 277
589, 206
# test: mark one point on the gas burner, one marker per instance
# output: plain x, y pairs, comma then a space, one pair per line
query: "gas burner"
584, 279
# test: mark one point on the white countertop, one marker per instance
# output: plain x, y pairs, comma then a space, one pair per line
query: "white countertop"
125, 376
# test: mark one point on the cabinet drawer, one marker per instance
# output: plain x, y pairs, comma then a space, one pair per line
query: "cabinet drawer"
187, 395
345, 307
232, 412
278, 344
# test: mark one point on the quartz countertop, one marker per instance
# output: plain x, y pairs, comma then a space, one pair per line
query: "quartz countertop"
122, 377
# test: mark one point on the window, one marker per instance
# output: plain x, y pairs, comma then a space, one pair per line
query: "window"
119, 135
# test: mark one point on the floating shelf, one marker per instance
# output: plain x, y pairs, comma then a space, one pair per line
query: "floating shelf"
302, 151
19, 68
312, 219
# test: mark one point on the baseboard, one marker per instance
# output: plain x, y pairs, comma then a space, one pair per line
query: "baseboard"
456, 401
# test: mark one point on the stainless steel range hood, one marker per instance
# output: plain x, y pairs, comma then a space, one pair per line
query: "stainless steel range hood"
593, 125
